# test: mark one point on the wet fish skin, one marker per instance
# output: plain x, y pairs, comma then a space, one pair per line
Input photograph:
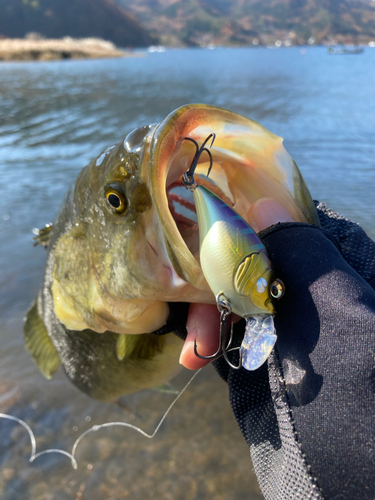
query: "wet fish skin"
91, 248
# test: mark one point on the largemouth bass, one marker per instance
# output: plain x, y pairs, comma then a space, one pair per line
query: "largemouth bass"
123, 255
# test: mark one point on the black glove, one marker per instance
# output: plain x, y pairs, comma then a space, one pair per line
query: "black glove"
309, 416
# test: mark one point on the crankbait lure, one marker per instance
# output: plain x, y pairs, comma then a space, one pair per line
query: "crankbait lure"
237, 269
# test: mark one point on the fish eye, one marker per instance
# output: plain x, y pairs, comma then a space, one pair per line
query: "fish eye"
277, 289
116, 199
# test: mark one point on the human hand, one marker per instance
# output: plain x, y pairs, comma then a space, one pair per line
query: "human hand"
307, 414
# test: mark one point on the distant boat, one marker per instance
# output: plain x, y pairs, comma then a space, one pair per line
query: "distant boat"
156, 48
345, 50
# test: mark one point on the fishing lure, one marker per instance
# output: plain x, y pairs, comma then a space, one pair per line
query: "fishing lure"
235, 264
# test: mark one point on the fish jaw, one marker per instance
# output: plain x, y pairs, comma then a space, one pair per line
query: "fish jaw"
249, 165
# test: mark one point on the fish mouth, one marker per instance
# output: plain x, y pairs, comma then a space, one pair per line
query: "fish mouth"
182, 208
249, 164
183, 211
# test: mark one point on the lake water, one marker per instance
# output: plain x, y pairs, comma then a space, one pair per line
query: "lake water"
55, 117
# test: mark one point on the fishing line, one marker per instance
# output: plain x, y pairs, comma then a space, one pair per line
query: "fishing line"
94, 428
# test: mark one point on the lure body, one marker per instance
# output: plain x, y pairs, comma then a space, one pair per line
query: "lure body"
233, 258
235, 264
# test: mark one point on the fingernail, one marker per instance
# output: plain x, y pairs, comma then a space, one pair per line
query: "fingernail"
188, 346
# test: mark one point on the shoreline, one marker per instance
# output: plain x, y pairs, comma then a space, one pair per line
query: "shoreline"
20, 49
39, 50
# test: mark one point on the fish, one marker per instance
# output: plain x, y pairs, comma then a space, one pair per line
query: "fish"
123, 257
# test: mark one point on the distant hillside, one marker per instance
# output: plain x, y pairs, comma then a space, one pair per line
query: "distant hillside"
226, 22
75, 18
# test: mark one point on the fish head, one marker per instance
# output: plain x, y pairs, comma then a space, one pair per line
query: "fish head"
111, 270
134, 249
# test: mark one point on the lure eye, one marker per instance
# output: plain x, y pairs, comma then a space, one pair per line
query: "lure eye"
261, 285
277, 289
116, 199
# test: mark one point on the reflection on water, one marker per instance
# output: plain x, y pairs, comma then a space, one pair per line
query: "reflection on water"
54, 118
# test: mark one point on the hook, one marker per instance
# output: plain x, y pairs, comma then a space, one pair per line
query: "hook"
225, 310
188, 177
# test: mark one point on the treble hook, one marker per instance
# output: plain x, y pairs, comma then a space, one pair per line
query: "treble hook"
225, 309
188, 177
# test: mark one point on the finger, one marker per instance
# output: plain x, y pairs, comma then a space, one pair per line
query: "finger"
203, 325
